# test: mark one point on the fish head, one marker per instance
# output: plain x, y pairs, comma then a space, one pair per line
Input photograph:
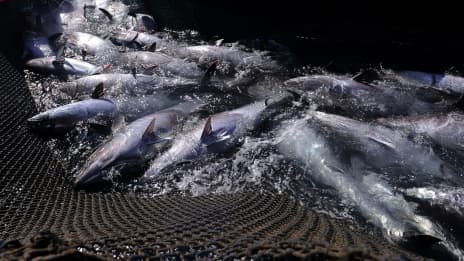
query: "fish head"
90, 175
41, 121
220, 128
92, 172
47, 125
38, 64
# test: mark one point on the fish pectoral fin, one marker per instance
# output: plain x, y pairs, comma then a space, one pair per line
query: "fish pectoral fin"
382, 142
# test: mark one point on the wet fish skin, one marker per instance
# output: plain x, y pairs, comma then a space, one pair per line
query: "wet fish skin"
383, 147
163, 62
225, 130
135, 39
446, 129
130, 143
123, 83
204, 55
47, 65
443, 82
375, 199
349, 97
66, 116
88, 43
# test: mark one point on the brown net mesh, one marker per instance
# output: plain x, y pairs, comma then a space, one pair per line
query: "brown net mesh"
36, 195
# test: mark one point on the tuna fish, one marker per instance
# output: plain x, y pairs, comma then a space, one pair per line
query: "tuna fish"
134, 142
447, 130
349, 97
217, 134
383, 147
163, 62
123, 83
138, 40
233, 57
443, 82
65, 117
88, 44
59, 65
375, 199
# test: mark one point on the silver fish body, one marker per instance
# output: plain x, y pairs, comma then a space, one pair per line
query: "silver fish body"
164, 63
226, 129
70, 66
361, 100
446, 129
88, 43
123, 84
383, 147
130, 143
66, 116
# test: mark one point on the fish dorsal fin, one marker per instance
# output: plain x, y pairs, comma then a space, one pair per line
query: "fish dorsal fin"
152, 47
107, 14
208, 74
207, 130
219, 42
149, 133
98, 92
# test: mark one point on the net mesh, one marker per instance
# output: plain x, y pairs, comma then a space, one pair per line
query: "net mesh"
36, 196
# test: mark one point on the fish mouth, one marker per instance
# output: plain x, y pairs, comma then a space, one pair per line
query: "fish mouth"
32, 63
85, 179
